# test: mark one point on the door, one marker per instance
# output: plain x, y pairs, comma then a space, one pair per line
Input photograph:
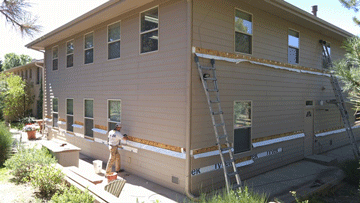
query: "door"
309, 132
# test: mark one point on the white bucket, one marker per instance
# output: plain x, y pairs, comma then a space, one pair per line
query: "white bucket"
97, 166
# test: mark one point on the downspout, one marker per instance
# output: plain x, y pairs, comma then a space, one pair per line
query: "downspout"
43, 87
189, 101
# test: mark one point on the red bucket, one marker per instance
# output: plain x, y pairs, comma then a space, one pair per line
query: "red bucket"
111, 177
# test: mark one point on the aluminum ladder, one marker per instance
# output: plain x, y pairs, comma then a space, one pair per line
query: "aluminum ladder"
209, 81
340, 102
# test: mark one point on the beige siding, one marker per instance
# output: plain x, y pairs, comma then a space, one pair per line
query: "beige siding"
152, 89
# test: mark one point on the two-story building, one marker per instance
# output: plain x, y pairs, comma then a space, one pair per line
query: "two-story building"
133, 61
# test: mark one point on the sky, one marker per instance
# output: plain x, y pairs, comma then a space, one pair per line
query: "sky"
55, 13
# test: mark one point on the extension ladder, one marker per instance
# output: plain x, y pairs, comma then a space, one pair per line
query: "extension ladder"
209, 81
340, 102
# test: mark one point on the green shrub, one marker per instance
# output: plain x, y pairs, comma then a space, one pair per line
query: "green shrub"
352, 173
234, 196
73, 195
47, 179
6, 141
24, 162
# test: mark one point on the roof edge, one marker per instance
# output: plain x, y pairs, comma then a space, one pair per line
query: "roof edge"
22, 66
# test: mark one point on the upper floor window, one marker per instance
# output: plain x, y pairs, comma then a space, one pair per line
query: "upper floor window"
89, 117
55, 55
70, 53
55, 111
37, 75
89, 48
242, 126
26, 74
243, 32
294, 45
69, 114
114, 113
114, 40
30, 76
149, 30
325, 60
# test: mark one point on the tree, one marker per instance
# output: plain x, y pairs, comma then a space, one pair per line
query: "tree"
1, 66
16, 95
352, 5
13, 60
348, 70
16, 14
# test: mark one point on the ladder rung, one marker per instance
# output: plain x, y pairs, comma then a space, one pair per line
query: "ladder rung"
222, 137
219, 124
217, 112
210, 79
212, 90
214, 101
230, 161
236, 186
232, 174
225, 149
207, 68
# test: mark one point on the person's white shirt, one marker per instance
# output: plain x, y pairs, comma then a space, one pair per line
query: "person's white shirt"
115, 137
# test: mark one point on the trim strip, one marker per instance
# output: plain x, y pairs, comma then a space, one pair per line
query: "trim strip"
99, 131
277, 140
47, 120
334, 131
61, 123
77, 126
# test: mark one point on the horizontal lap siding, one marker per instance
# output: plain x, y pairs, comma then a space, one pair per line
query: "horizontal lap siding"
152, 89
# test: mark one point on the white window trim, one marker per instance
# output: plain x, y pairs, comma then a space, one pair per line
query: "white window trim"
107, 118
107, 38
52, 56
147, 31
251, 131
66, 54
89, 48
88, 117
252, 34
67, 112
288, 45
54, 112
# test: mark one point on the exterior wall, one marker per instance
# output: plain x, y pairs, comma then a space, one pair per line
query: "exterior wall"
151, 86
32, 81
278, 96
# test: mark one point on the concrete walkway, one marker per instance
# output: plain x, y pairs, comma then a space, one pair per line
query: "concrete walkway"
305, 177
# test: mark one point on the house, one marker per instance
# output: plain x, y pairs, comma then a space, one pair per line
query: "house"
133, 61
32, 74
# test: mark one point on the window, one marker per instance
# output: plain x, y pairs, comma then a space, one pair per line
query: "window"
26, 74
243, 32
22, 74
30, 73
89, 48
37, 75
293, 50
325, 59
69, 114
89, 117
114, 41
55, 111
55, 55
149, 31
114, 113
242, 126
70, 53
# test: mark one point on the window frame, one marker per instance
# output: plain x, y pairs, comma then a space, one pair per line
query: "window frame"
84, 108
66, 113
108, 119
108, 43
66, 54
251, 131
148, 31
288, 45
55, 112
52, 56
38, 78
252, 34
30, 73
322, 54
93, 47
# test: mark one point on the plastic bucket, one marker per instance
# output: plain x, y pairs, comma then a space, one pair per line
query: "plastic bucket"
97, 166
111, 177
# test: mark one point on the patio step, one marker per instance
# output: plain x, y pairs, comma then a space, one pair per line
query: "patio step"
321, 159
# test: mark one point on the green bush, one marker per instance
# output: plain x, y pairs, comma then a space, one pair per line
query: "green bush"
6, 141
73, 195
47, 179
352, 173
243, 195
24, 162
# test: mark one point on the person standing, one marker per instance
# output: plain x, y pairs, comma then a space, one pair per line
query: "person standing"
114, 140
